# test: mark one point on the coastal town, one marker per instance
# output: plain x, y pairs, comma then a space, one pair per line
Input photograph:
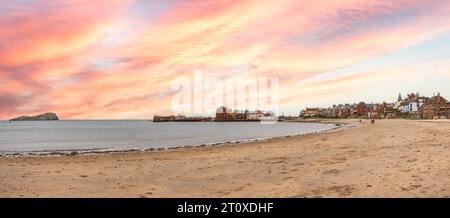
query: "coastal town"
223, 114
413, 106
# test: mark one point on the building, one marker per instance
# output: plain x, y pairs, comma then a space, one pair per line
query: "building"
312, 112
436, 107
224, 114
412, 103
361, 110
241, 115
380, 111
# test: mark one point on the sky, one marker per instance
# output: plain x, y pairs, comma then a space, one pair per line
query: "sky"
87, 59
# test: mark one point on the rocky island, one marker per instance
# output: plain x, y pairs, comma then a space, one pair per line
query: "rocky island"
46, 116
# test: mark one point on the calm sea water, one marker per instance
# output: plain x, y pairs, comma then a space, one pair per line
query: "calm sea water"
50, 136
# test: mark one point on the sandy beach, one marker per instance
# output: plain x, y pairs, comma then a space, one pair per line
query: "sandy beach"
392, 158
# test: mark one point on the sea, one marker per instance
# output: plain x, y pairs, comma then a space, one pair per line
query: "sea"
92, 136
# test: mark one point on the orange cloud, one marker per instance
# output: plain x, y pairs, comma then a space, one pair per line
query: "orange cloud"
87, 59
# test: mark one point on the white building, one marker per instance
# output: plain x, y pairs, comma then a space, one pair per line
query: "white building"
411, 105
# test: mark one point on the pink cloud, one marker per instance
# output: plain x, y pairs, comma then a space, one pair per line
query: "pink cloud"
86, 59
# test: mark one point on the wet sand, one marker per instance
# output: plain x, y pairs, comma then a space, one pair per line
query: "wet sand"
392, 158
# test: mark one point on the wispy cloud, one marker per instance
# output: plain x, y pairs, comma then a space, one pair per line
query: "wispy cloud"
87, 59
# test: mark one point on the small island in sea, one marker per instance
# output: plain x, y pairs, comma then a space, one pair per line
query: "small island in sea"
45, 116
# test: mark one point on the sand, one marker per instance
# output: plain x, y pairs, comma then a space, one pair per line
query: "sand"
392, 158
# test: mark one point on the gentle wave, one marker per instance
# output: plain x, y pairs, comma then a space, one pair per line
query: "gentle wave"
72, 152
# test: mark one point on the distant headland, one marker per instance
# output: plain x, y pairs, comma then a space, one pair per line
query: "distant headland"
46, 116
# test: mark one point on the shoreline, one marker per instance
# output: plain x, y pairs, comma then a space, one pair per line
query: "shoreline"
392, 158
54, 153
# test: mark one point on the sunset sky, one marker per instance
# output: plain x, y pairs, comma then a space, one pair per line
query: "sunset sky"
116, 59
